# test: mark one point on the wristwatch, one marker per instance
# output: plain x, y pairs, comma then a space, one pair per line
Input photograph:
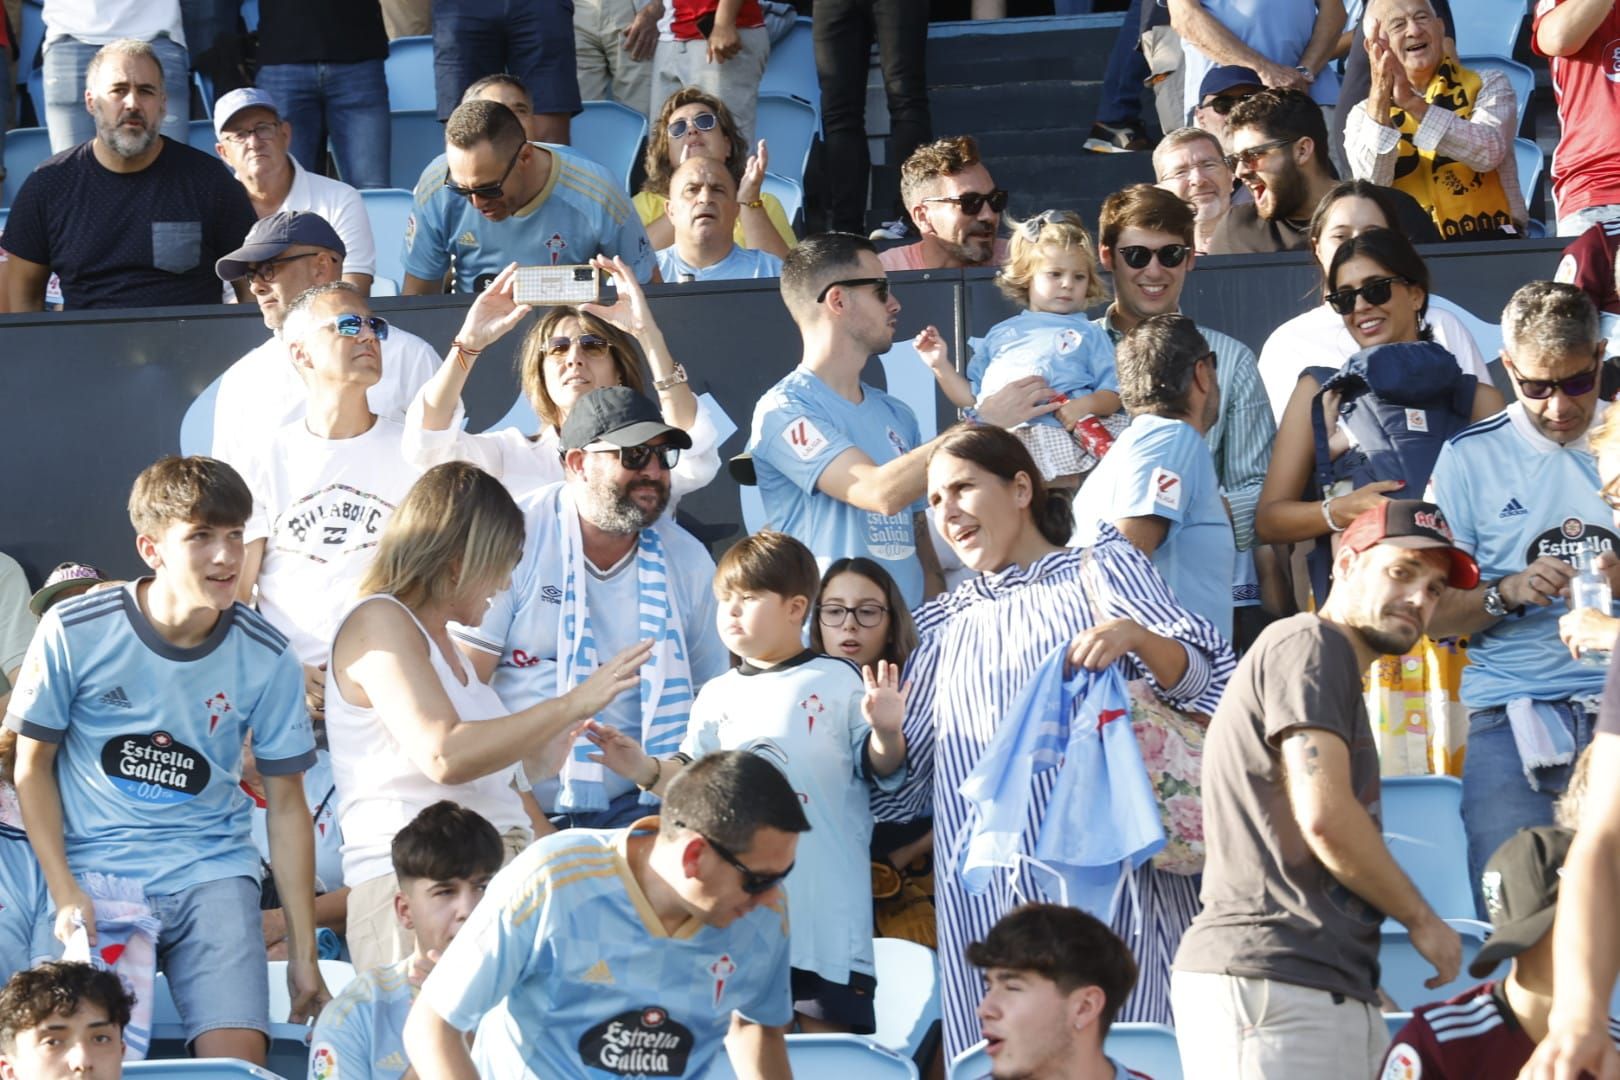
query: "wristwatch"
1495, 606
675, 379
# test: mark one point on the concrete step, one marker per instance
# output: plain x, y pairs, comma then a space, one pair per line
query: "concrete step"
1066, 52
1014, 106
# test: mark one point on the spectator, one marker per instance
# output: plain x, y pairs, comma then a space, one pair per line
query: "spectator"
1577, 37
1321, 337
1189, 164
1055, 978
614, 42
1355, 78
693, 124
1489, 1031
772, 704
75, 33
1439, 131
1287, 44
703, 208
568, 353
558, 964
1589, 262
520, 202
284, 256
253, 141
66, 581
1533, 463
1297, 878
331, 897
598, 548
323, 63
845, 31
130, 218
508, 90
720, 48
1223, 89
1157, 485
953, 204
17, 623
1117, 128
25, 921
324, 486
407, 722
1103, 604
183, 839
1279, 151
443, 860
63, 1019
534, 41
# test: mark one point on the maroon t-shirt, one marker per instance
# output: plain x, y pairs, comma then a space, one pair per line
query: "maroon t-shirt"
1474, 1036
1588, 264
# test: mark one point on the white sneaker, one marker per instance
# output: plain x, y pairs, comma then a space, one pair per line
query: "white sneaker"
890, 230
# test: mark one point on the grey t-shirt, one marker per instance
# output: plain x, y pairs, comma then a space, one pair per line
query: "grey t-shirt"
1271, 909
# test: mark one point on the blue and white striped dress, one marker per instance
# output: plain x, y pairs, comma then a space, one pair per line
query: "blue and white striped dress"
977, 647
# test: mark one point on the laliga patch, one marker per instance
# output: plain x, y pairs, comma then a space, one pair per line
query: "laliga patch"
323, 1066
1066, 341
1166, 488
804, 438
1417, 420
1568, 539
1565, 274
1402, 1063
410, 231
156, 769
644, 1042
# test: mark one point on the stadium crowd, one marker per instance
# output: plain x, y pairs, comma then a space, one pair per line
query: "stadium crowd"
474, 712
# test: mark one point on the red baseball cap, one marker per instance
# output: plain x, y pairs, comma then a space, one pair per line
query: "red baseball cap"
1411, 523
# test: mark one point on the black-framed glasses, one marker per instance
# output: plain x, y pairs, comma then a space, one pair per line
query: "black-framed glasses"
972, 202
1032, 228
1377, 291
486, 191
754, 883
267, 270
1170, 256
880, 285
1542, 389
1213, 360
867, 615
265, 130
589, 344
1255, 153
703, 121
1221, 104
635, 458
349, 325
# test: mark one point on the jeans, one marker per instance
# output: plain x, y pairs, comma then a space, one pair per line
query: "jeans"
1127, 70
843, 31
622, 810
216, 51
349, 102
65, 115
1497, 798
532, 39
1581, 220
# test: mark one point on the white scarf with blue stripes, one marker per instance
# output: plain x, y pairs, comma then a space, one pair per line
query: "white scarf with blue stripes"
666, 678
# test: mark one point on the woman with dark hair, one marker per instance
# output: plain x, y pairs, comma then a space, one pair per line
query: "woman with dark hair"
693, 123
568, 353
977, 648
1319, 337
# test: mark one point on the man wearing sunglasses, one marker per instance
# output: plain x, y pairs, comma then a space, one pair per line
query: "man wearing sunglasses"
955, 206
1521, 490
631, 952
1223, 89
494, 199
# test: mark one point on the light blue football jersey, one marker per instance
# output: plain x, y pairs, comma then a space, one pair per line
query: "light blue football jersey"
580, 213
740, 263
361, 1032
800, 426
566, 971
150, 736
25, 905
1072, 353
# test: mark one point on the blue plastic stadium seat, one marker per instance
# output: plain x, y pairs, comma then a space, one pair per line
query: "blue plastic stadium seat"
418, 138
907, 1001
1148, 1048
30, 39
1489, 27
1520, 77
1424, 831
971, 1064
1531, 160
200, 134
788, 127
205, 91
197, 437
611, 135
409, 71
388, 209
1405, 970
198, 1069
790, 194
849, 1056
25, 149
250, 15
1395, 1021
791, 67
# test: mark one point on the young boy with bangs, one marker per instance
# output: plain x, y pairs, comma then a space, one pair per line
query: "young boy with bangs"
833, 730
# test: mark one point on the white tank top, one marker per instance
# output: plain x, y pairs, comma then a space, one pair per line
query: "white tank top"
380, 789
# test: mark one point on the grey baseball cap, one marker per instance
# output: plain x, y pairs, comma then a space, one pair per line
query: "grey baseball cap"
248, 97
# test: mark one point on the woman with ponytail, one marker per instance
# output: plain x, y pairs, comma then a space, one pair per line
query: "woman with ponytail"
979, 645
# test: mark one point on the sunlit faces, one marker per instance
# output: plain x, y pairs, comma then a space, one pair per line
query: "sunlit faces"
255, 141
574, 364
1392, 593
1270, 168
482, 165
980, 515
699, 137
1030, 1026
860, 598
197, 563
278, 282
703, 201
1414, 34
712, 888
84, 1044
1061, 279
518, 101
333, 358
617, 500
1346, 218
1559, 416
967, 238
128, 103
1153, 289
1393, 318
1196, 172
757, 624
865, 316
436, 910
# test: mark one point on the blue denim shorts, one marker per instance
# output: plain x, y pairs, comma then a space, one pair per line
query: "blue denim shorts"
211, 948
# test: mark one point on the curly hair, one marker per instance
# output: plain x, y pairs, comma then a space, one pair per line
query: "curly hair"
929, 162
59, 988
1050, 228
656, 161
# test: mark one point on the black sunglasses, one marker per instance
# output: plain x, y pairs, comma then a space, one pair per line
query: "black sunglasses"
753, 882
880, 285
486, 191
1541, 389
1170, 256
1255, 153
635, 458
1221, 105
1377, 291
703, 121
972, 202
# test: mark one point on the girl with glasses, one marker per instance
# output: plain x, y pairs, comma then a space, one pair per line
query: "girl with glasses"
568, 353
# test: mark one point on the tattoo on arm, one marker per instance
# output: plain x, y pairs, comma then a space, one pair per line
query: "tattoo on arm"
1310, 750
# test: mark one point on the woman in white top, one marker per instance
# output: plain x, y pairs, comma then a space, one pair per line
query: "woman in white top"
568, 353
1320, 338
407, 720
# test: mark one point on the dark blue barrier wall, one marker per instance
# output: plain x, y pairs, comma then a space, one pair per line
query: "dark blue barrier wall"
90, 399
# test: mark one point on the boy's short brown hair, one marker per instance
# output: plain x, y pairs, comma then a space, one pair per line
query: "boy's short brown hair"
768, 561
188, 489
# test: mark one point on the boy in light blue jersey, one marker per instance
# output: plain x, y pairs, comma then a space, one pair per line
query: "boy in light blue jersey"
444, 860
131, 713
629, 953
494, 198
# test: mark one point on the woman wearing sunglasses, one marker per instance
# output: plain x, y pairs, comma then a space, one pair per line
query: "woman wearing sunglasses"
568, 353
1379, 287
693, 123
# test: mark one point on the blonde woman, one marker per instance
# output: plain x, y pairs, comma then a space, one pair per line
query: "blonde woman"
407, 720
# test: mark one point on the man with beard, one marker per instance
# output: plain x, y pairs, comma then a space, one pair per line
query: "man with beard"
1279, 147
130, 218
954, 205
1278, 975
601, 570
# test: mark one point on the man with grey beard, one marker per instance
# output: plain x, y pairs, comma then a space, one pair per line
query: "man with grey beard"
130, 218
604, 567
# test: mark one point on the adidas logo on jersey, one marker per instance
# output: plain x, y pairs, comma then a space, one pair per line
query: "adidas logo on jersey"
467, 239
395, 1061
1512, 509
598, 973
117, 698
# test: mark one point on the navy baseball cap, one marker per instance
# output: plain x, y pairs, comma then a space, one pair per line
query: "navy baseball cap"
1218, 80
617, 416
248, 97
271, 236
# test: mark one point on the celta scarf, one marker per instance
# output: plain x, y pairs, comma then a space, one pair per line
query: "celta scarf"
1464, 204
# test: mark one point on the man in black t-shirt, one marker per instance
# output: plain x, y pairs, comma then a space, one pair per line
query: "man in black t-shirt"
130, 218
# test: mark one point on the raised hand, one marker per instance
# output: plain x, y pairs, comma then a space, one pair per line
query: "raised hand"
630, 312
884, 705
493, 313
753, 177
